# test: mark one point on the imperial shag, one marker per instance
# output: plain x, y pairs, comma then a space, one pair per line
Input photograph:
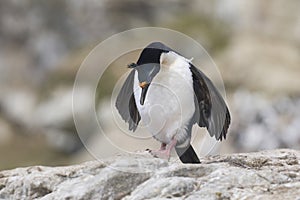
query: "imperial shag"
169, 94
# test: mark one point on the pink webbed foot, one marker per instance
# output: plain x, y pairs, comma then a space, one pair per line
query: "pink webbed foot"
160, 153
164, 154
165, 150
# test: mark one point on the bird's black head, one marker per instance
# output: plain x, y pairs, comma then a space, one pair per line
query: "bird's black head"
152, 52
148, 65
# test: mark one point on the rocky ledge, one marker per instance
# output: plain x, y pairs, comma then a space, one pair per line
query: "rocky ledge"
273, 174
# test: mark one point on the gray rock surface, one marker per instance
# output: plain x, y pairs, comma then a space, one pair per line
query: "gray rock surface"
262, 124
273, 174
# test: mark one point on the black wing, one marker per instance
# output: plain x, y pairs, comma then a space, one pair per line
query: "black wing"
126, 105
211, 110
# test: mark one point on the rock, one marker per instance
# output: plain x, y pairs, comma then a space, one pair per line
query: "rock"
261, 123
54, 117
273, 174
17, 106
261, 64
261, 18
6, 133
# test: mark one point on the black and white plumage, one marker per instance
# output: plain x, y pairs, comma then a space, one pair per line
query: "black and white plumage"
169, 94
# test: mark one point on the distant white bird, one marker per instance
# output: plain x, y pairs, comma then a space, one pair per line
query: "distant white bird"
169, 94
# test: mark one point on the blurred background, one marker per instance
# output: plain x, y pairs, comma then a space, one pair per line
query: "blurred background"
255, 44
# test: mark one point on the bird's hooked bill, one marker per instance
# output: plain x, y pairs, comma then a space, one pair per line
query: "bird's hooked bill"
144, 86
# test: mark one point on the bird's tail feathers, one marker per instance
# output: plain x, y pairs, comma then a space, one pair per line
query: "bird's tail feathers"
187, 155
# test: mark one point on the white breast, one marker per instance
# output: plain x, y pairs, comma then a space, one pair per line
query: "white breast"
169, 103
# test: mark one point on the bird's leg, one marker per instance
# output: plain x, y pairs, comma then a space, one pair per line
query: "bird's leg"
163, 146
165, 150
